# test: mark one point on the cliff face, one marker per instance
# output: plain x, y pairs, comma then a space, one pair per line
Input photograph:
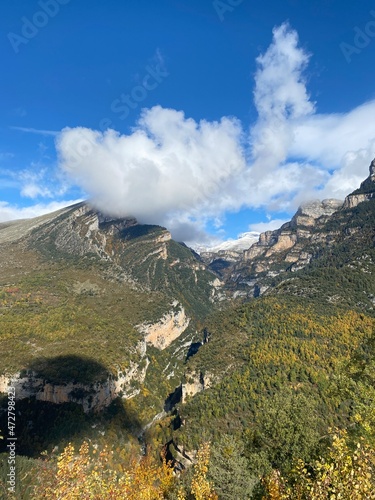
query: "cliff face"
162, 333
76, 282
295, 244
196, 382
308, 219
92, 397
366, 191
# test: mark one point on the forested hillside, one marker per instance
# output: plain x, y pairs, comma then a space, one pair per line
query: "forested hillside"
140, 376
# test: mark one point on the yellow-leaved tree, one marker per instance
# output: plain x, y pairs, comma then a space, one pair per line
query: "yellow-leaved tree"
90, 475
344, 474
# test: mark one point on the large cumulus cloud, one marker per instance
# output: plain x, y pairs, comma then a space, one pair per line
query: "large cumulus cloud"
178, 172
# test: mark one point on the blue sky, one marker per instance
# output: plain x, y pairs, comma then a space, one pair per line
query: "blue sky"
223, 116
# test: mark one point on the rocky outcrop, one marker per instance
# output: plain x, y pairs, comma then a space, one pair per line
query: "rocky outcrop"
366, 192
182, 459
84, 231
286, 248
91, 396
354, 200
167, 329
283, 240
308, 213
196, 382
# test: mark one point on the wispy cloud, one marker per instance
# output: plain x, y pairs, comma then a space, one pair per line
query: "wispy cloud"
20, 111
14, 212
37, 181
6, 156
31, 130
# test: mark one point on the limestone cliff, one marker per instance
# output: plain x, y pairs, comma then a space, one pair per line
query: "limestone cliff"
196, 382
295, 244
92, 397
366, 191
162, 333
287, 244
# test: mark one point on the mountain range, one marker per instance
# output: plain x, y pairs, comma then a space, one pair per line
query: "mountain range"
142, 340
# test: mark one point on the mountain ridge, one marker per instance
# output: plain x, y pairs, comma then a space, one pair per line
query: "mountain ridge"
105, 318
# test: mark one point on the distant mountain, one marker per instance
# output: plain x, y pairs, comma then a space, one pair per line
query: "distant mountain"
315, 227
243, 242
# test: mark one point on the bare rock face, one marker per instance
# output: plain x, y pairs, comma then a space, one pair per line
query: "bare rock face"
287, 237
372, 170
308, 212
354, 200
92, 397
167, 329
284, 248
284, 241
366, 191
85, 230
197, 382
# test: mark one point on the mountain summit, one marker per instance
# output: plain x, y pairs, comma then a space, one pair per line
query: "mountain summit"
293, 246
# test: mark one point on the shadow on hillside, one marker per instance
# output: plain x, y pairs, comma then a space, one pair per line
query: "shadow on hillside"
69, 368
42, 424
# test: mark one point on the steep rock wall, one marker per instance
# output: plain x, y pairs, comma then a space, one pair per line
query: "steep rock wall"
167, 329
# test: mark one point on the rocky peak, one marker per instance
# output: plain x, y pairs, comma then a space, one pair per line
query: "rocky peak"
309, 212
368, 183
318, 208
372, 170
309, 215
366, 191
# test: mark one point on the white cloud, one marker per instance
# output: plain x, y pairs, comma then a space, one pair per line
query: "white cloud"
169, 165
280, 97
13, 212
328, 138
175, 171
33, 183
33, 190
37, 181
